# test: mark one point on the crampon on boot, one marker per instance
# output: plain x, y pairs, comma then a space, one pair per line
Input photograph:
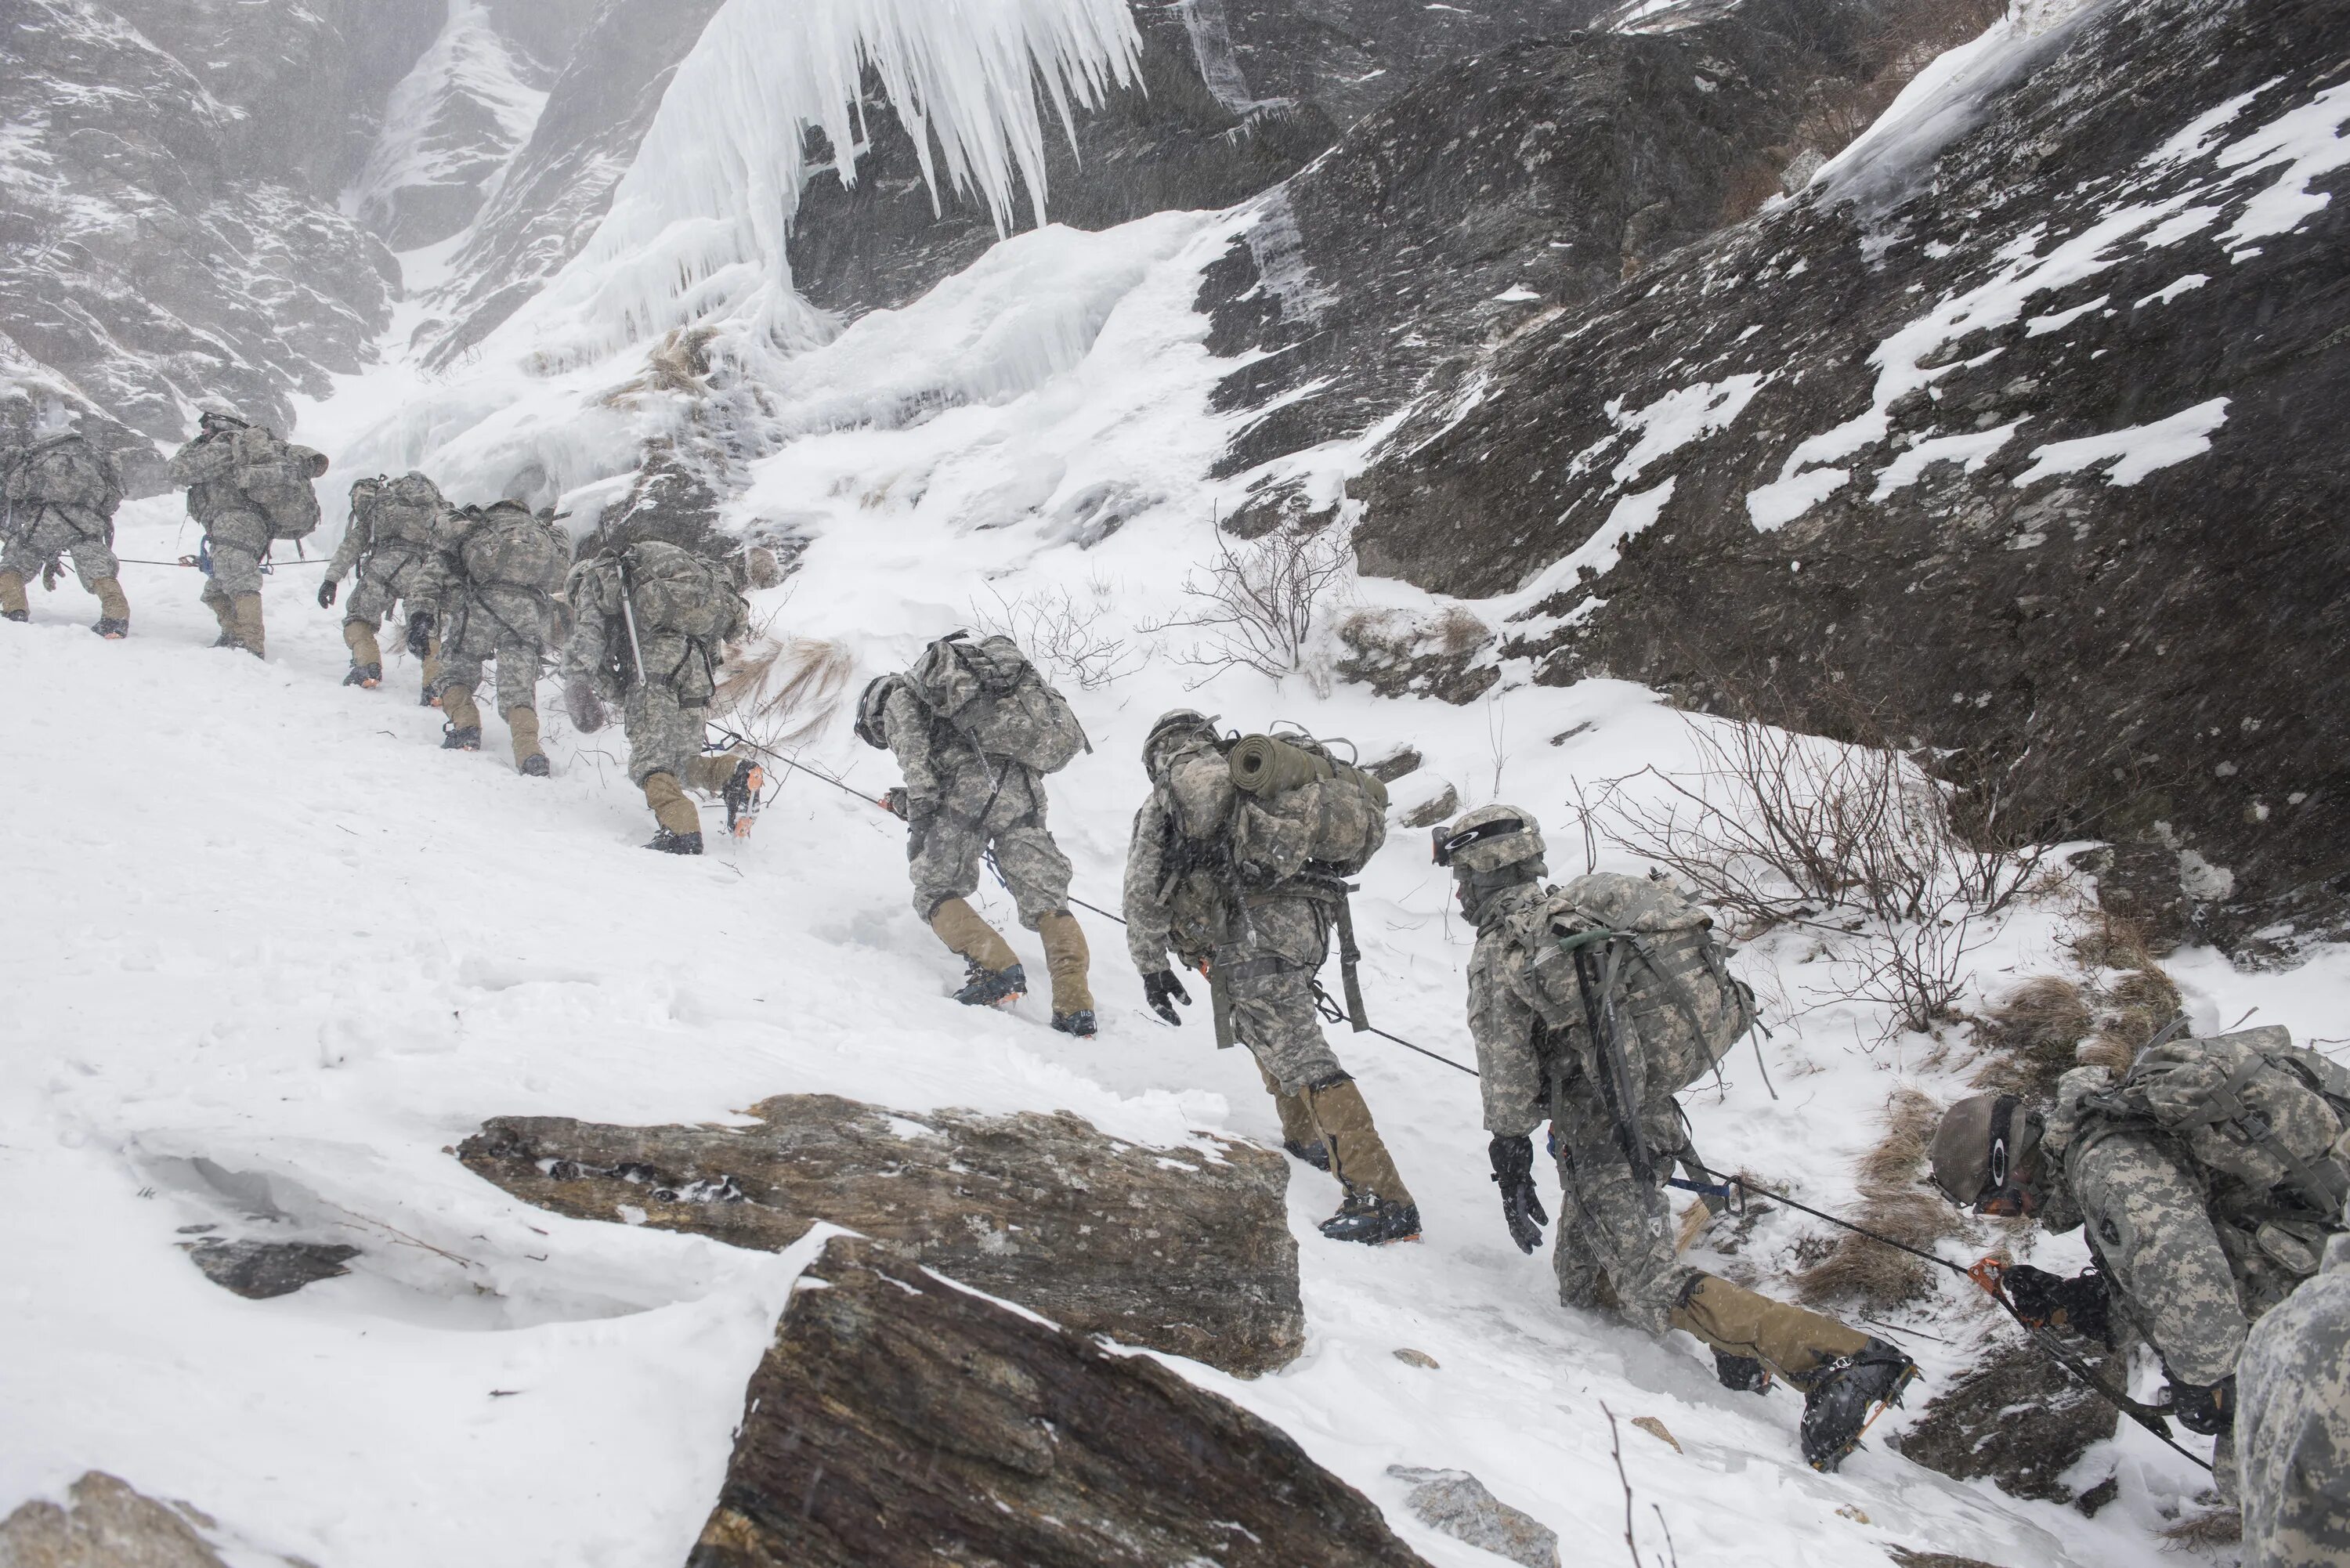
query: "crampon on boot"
1851, 1393
112, 629
370, 676
742, 797
535, 766
453, 739
992, 987
1741, 1373
670, 843
1316, 1155
1368, 1217
1079, 1023
25, 615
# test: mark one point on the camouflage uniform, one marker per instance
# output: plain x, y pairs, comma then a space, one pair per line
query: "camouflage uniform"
394, 558
38, 530
664, 707
958, 804
2293, 1424
237, 534
1616, 1246
1263, 946
494, 589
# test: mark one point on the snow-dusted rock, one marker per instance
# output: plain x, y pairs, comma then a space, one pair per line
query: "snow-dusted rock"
2015, 1418
104, 1522
1461, 1506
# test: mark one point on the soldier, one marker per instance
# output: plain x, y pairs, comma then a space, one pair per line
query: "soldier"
2293, 1432
391, 541
1538, 1061
650, 623
975, 790
61, 493
2208, 1178
499, 569
1261, 942
247, 489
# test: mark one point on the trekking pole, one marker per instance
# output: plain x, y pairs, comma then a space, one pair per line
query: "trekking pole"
2144, 1415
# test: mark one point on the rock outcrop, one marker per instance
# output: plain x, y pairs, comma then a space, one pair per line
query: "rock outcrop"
1184, 1249
2017, 435
104, 1522
259, 1269
900, 1419
1463, 1508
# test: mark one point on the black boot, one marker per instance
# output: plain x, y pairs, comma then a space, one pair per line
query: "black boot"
1316, 1155
1741, 1373
1366, 1217
670, 843
25, 615
535, 765
992, 988
114, 628
367, 675
742, 797
1852, 1391
1079, 1023
453, 739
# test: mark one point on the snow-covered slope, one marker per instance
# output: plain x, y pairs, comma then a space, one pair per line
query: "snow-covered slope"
450, 128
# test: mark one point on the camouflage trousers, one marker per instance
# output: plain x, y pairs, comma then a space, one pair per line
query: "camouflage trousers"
53, 532
384, 578
238, 541
2160, 1253
945, 848
1616, 1241
664, 735
518, 662
1268, 972
2292, 1426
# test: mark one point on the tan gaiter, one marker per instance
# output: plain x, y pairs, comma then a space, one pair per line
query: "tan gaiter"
111, 604
462, 709
1358, 1156
1297, 1121
1066, 958
12, 594
1793, 1342
524, 722
358, 636
959, 926
670, 808
249, 633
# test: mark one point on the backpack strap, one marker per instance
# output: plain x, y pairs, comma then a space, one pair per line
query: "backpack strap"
2321, 1183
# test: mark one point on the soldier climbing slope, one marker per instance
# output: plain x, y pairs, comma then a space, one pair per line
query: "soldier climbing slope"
499, 570
1245, 883
975, 729
391, 541
651, 625
1592, 1006
61, 495
2292, 1433
2209, 1178
247, 489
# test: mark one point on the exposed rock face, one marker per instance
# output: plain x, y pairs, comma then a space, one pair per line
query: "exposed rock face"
168, 233
2015, 1418
260, 1269
2148, 626
900, 1420
450, 128
1460, 1505
104, 1523
1175, 1249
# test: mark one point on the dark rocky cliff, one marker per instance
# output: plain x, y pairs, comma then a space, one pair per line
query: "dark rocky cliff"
2137, 638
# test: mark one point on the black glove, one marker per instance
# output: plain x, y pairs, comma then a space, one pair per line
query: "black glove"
420, 633
2044, 1300
1158, 988
895, 801
326, 591
586, 708
1513, 1172
2208, 1410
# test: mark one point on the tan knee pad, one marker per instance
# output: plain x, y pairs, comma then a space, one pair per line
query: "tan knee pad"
670, 808
1066, 959
1359, 1155
524, 722
959, 926
358, 636
1793, 1342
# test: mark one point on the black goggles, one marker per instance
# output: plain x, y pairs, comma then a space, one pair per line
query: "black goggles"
1449, 845
2001, 1194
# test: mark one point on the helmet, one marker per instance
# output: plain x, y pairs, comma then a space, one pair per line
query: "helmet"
1488, 838
1982, 1151
212, 414
875, 697
1174, 728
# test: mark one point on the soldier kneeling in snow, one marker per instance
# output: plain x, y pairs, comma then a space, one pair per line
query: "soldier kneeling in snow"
1592, 1006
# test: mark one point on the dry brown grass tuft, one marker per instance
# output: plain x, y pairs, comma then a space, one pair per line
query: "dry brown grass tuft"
2032, 1036
2201, 1532
1893, 1205
779, 691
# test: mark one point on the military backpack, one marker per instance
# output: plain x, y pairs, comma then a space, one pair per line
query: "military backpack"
65, 471
406, 510
671, 589
1297, 803
989, 693
276, 476
506, 547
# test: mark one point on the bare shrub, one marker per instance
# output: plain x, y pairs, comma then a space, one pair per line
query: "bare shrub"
1257, 604
2203, 1531
1064, 632
779, 691
2032, 1036
1892, 1204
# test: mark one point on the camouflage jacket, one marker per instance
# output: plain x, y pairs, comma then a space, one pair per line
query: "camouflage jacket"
947, 775
2293, 1424
207, 466
371, 536
599, 648
1506, 1014
1180, 891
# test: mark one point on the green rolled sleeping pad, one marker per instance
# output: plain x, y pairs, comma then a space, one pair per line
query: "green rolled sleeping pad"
1264, 765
